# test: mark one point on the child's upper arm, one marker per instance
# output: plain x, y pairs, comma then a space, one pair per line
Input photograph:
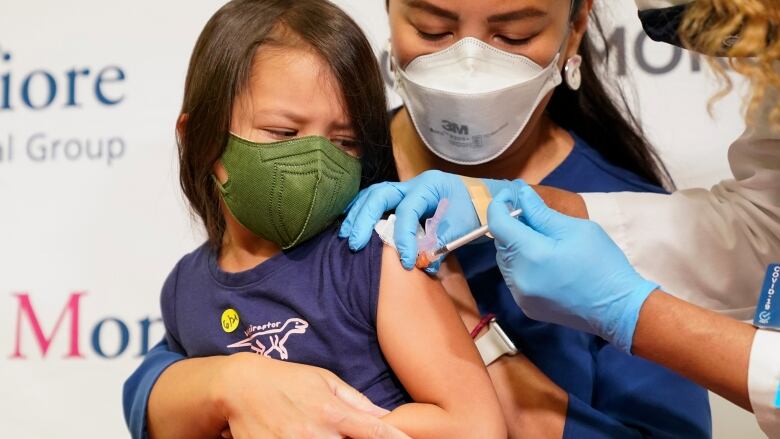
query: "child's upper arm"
428, 347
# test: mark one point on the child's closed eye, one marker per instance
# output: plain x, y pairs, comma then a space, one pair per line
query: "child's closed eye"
348, 145
280, 133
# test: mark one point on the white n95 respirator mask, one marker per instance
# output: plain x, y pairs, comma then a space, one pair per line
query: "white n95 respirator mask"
470, 101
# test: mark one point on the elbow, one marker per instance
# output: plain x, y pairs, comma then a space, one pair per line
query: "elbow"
484, 429
483, 417
497, 427
496, 430
483, 424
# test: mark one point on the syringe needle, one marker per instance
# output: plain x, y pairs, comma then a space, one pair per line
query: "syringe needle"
423, 260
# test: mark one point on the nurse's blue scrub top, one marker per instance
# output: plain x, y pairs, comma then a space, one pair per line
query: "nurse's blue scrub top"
611, 394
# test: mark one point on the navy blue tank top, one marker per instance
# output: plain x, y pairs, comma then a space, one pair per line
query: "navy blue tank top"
315, 304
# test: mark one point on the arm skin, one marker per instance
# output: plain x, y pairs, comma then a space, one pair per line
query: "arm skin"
259, 397
532, 404
429, 350
565, 202
691, 340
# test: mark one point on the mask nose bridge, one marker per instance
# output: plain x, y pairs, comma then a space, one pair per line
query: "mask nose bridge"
469, 55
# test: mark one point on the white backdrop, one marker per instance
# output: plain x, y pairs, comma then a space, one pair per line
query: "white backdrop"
91, 216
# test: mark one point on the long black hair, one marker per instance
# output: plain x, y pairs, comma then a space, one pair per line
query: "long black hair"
602, 119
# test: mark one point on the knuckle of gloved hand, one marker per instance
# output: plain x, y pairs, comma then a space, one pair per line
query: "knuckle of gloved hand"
389, 187
529, 198
418, 211
538, 257
369, 190
590, 227
374, 205
396, 188
384, 190
524, 191
514, 250
543, 216
433, 174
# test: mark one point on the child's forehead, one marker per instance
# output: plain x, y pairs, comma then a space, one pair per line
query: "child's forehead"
294, 77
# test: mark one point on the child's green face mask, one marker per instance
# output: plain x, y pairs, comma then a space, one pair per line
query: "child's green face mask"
288, 191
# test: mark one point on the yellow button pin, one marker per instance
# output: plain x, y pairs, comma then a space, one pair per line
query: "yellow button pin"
229, 320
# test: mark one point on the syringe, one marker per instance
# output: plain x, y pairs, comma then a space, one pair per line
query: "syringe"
425, 258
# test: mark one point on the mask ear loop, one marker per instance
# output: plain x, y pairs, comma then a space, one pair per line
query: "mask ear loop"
390, 65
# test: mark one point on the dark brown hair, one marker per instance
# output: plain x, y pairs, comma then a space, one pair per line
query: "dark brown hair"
602, 116
221, 65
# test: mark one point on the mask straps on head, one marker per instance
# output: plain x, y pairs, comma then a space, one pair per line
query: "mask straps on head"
391, 67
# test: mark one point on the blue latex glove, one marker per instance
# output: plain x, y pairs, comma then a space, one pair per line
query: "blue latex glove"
414, 200
566, 270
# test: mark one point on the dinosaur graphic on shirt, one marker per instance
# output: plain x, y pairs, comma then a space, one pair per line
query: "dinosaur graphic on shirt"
265, 342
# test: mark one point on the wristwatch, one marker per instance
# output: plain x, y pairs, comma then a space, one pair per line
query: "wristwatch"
494, 343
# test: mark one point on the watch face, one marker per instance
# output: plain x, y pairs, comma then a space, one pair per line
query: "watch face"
511, 349
494, 344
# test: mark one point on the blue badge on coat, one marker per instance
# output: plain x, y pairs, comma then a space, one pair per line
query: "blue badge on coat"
768, 307
777, 399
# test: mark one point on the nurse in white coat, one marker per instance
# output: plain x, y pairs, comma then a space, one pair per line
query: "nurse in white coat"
708, 247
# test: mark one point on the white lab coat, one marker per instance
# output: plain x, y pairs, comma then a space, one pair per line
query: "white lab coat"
712, 247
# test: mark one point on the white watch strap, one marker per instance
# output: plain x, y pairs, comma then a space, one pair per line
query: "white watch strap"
494, 343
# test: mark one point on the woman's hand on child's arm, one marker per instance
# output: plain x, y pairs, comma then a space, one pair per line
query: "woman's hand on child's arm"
428, 348
260, 397
533, 405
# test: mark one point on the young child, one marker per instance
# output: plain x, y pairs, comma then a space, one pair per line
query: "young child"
283, 107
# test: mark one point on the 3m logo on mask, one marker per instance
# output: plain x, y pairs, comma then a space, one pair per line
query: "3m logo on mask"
455, 128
